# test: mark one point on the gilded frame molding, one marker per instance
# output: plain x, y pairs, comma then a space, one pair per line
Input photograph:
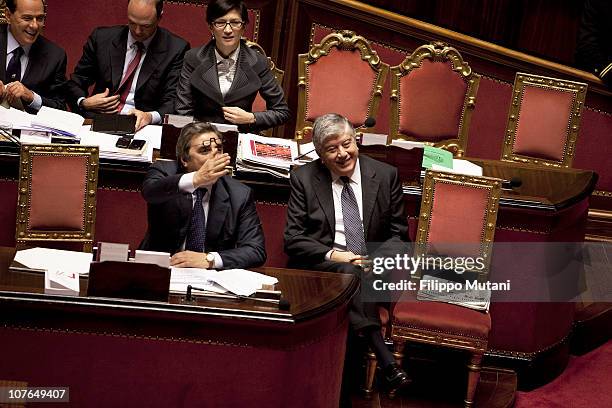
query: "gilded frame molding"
493, 187
344, 40
523, 80
24, 234
436, 51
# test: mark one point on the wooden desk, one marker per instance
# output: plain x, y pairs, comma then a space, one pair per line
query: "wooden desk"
114, 352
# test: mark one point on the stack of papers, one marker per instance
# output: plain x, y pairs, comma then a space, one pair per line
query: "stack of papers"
237, 281
107, 142
261, 154
46, 259
473, 299
62, 283
57, 121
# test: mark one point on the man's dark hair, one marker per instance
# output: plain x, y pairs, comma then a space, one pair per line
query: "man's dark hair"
183, 144
219, 8
12, 5
159, 7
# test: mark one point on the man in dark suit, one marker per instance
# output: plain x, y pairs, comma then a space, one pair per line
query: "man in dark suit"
32, 68
196, 212
337, 204
135, 68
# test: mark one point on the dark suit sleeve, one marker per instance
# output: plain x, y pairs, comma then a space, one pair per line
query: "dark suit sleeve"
160, 184
277, 110
54, 97
168, 102
592, 48
299, 244
84, 73
250, 248
184, 98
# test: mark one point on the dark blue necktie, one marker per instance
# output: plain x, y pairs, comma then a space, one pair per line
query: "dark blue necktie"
197, 227
353, 226
13, 70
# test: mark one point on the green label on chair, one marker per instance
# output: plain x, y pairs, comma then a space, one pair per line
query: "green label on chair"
435, 155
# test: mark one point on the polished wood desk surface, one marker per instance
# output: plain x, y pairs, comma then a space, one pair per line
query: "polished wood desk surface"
309, 293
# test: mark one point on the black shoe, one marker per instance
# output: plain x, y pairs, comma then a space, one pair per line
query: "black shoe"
396, 378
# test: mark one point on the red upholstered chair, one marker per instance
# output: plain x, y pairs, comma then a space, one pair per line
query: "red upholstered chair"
57, 194
543, 121
343, 75
433, 94
259, 105
460, 210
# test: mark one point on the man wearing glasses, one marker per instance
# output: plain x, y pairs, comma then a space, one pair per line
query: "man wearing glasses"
32, 68
220, 80
134, 67
203, 217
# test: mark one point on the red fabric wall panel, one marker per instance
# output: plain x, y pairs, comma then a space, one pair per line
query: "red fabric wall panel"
121, 217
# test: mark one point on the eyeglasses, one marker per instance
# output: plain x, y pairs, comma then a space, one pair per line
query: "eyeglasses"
234, 24
206, 146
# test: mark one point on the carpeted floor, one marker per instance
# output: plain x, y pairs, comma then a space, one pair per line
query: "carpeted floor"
585, 383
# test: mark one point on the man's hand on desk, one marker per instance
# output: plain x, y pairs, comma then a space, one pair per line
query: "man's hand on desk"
190, 259
16, 91
211, 170
101, 102
238, 116
142, 118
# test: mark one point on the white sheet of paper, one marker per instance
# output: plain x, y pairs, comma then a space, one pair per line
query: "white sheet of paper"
65, 121
181, 277
369, 139
407, 144
461, 167
55, 260
242, 282
152, 134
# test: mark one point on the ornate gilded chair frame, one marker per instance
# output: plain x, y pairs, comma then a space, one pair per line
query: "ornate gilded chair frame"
436, 51
24, 234
578, 90
433, 178
345, 40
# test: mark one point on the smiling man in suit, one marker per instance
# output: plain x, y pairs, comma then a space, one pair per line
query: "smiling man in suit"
32, 68
338, 203
195, 212
135, 68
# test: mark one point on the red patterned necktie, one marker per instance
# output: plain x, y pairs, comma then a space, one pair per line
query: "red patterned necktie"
126, 81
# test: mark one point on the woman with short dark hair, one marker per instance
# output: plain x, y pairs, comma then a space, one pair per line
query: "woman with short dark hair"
220, 80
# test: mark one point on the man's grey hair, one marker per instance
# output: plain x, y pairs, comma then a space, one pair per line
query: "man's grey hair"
329, 125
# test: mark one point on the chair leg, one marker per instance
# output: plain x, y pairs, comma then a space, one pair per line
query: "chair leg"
371, 364
473, 377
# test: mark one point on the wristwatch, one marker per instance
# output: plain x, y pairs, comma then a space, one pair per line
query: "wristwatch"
211, 259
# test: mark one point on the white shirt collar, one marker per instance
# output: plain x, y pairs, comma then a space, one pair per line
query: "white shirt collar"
355, 177
233, 56
11, 43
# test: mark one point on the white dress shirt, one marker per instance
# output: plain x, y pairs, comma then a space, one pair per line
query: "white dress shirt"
226, 69
186, 185
337, 186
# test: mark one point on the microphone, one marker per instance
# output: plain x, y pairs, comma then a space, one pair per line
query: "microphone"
511, 184
369, 122
305, 154
282, 303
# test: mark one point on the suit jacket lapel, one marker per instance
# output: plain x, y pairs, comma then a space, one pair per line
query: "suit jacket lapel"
323, 191
3, 40
37, 63
205, 77
117, 58
217, 210
369, 192
246, 81
155, 53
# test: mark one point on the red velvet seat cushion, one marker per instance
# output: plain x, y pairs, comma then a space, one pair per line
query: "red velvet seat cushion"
441, 317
